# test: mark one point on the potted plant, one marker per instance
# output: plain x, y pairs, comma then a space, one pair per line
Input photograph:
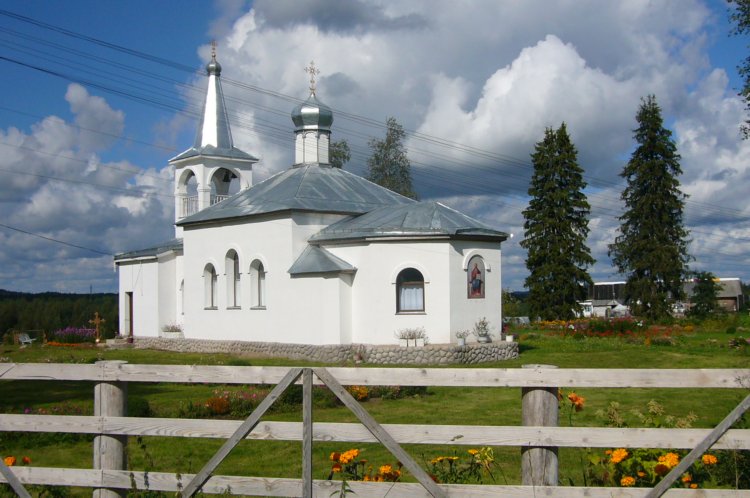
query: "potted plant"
482, 330
172, 331
412, 337
461, 335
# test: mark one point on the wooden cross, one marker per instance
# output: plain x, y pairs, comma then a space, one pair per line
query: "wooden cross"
96, 322
312, 71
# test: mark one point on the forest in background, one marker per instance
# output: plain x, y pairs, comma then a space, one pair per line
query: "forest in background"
49, 311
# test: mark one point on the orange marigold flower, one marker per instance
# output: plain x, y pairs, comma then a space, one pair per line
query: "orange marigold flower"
385, 469
627, 481
576, 401
709, 459
687, 478
641, 473
348, 456
335, 456
9, 461
619, 455
336, 467
473, 452
693, 486
670, 459
26, 460
661, 469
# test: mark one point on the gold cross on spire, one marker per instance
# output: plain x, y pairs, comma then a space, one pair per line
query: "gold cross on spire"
312, 71
213, 50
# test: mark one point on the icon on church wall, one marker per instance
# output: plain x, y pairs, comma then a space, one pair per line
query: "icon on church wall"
475, 276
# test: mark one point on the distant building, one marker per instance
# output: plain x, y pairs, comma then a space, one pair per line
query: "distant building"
606, 299
730, 295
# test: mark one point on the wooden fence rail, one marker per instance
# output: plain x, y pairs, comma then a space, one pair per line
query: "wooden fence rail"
111, 379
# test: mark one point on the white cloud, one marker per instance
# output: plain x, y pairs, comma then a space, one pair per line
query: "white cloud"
486, 75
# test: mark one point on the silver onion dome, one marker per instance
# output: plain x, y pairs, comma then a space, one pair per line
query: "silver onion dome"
312, 114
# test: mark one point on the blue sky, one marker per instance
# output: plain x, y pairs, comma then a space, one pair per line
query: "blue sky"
85, 163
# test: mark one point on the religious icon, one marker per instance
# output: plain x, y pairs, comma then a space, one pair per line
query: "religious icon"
475, 276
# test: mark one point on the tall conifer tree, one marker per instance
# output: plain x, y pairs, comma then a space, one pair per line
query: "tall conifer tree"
555, 229
739, 14
652, 246
388, 165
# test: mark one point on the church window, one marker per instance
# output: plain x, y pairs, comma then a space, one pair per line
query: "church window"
258, 279
210, 287
409, 291
233, 279
475, 278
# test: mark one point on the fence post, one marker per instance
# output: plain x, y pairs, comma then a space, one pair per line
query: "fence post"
539, 407
110, 400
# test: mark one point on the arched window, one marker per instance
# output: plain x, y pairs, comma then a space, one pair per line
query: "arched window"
232, 264
475, 275
409, 291
209, 286
258, 282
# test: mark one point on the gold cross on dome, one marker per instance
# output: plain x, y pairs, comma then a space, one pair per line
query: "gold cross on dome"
312, 71
213, 50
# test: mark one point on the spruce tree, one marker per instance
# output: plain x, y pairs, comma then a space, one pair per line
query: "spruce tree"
388, 165
555, 230
651, 249
740, 16
704, 300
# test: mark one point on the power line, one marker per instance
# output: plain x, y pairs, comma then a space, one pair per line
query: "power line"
50, 239
508, 160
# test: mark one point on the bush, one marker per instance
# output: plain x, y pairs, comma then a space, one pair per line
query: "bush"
73, 335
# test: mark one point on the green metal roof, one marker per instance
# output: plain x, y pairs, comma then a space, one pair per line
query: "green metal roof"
409, 220
311, 187
315, 259
170, 245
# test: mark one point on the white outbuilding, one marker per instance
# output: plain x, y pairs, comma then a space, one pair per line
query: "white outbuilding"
312, 255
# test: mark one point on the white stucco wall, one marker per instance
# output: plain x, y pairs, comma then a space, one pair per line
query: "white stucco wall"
464, 311
332, 308
442, 264
141, 279
298, 310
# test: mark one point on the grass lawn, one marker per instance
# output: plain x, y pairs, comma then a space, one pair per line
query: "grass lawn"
705, 347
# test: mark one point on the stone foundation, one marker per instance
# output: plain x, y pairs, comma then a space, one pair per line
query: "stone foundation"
433, 354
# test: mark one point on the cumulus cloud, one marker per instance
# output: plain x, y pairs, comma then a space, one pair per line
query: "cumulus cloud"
60, 189
476, 83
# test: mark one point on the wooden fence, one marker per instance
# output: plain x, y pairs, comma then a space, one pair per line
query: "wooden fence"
538, 438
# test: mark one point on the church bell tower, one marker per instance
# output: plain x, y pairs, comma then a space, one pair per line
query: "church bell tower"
205, 172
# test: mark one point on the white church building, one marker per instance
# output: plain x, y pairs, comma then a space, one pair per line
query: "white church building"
312, 255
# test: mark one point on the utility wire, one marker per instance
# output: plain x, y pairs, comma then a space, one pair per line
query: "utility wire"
360, 119
50, 239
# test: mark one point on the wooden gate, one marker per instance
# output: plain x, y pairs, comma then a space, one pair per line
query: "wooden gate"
538, 441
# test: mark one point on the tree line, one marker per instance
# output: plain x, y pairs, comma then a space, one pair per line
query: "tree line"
51, 311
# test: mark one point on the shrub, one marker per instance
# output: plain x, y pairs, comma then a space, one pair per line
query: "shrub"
73, 335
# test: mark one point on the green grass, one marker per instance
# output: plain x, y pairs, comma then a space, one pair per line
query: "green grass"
706, 348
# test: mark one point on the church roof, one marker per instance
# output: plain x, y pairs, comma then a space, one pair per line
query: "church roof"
315, 259
422, 219
214, 136
307, 188
151, 252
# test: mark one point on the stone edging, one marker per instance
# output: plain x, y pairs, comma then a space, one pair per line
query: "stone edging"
432, 354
